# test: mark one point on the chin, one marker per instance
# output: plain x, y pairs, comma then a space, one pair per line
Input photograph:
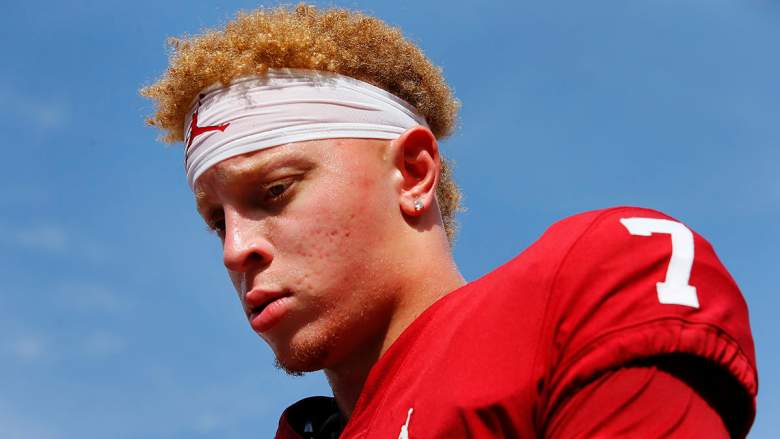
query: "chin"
300, 358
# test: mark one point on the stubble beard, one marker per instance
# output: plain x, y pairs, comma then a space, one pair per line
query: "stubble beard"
302, 361
308, 355
316, 351
291, 372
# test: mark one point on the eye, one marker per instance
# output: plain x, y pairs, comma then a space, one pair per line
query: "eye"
277, 190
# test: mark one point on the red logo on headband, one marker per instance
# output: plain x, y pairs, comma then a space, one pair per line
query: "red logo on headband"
196, 131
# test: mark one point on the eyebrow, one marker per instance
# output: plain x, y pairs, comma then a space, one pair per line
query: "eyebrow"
260, 166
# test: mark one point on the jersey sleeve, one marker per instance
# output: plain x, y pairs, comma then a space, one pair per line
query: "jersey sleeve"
639, 399
639, 286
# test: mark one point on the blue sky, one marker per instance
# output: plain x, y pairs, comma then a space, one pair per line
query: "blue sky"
116, 318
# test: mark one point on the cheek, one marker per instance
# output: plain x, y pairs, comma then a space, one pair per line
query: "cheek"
336, 232
345, 206
327, 237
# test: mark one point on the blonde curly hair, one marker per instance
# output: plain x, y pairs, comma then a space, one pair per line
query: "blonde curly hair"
335, 40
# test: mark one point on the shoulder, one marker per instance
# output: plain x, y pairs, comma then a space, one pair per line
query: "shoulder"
647, 248
606, 227
647, 262
635, 284
581, 243
542, 259
602, 222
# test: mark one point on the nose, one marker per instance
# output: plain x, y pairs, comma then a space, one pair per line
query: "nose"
245, 247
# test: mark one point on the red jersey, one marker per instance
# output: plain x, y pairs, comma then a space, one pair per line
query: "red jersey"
522, 351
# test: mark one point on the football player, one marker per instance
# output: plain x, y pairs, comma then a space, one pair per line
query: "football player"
311, 145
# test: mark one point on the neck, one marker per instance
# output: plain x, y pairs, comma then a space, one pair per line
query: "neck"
433, 275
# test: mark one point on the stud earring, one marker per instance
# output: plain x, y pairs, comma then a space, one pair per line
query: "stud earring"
418, 205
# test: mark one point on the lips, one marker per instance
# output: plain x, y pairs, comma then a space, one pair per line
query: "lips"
266, 308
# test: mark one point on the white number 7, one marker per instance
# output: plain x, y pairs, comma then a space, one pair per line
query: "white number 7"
675, 289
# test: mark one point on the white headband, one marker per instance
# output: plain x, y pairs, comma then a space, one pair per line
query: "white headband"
285, 106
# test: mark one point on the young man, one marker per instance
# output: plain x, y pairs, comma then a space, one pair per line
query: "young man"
311, 147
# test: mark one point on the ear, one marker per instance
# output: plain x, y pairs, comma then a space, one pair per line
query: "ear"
416, 156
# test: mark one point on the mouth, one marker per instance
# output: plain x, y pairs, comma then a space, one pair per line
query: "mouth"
265, 308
